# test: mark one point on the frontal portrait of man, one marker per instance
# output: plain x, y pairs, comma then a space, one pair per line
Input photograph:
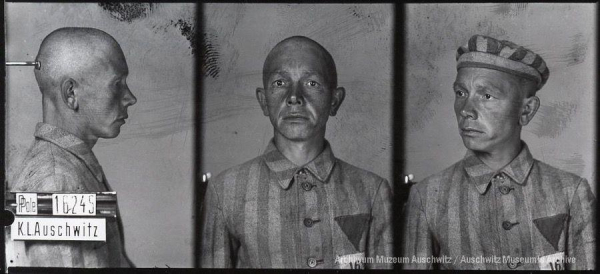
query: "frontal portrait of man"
297, 205
499, 207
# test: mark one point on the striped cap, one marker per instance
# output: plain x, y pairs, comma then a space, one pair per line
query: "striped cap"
487, 52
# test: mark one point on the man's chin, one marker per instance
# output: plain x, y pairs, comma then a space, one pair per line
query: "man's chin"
295, 135
472, 144
111, 134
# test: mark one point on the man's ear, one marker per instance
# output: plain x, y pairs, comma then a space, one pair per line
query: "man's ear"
69, 95
530, 107
262, 100
339, 94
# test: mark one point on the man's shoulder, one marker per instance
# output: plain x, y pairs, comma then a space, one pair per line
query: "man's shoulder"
439, 178
556, 176
233, 172
46, 167
364, 176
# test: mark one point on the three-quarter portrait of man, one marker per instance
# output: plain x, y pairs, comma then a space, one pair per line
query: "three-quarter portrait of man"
499, 202
297, 205
83, 81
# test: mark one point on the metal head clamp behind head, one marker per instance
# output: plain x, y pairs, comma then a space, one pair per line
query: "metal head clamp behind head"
37, 64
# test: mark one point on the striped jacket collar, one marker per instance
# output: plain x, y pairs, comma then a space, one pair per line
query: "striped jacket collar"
481, 175
71, 143
283, 169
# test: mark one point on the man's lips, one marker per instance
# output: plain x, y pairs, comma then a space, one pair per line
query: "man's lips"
469, 131
295, 117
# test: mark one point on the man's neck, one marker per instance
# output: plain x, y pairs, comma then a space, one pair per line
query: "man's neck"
500, 158
299, 152
70, 127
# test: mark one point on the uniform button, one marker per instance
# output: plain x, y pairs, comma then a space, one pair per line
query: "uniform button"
308, 222
307, 186
513, 264
508, 225
312, 262
505, 189
499, 177
302, 175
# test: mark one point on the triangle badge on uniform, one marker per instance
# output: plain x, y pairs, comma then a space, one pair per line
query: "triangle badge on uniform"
551, 227
354, 227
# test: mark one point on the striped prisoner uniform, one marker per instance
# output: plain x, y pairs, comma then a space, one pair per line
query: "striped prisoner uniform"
59, 162
270, 213
486, 219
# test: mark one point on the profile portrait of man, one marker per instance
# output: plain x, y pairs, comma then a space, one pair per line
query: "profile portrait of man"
499, 207
83, 81
297, 205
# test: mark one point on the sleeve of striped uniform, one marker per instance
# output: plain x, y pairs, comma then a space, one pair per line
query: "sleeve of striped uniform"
217, 243
380, 232
581, 243
417, 240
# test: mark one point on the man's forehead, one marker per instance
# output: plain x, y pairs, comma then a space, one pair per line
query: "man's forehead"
487, 79
296, 71
485, 75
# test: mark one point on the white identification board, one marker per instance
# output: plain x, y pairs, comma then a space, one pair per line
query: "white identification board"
74, 204
59, 229
35, 217
27, 203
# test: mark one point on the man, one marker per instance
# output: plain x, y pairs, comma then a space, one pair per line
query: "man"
498, 207
297, 206
85, 97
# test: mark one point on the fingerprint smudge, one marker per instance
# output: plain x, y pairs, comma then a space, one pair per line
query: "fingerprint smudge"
188, 30
127, 12
210, 56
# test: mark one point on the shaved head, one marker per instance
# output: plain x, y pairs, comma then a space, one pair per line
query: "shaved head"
300, 48
71, 53
82, 78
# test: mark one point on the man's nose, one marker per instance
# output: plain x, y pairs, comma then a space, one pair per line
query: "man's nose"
468, 109
295, 96
129, 98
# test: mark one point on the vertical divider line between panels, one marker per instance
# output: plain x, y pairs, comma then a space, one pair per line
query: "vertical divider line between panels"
398, 99
2, 142
199, 187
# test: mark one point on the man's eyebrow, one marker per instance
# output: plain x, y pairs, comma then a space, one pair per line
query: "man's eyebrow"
488, 86
459, 85
121, 75
305, 73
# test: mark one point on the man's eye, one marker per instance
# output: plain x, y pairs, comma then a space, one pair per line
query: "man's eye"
487, 97
460, 93
312, 83
278, 83
120, 82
